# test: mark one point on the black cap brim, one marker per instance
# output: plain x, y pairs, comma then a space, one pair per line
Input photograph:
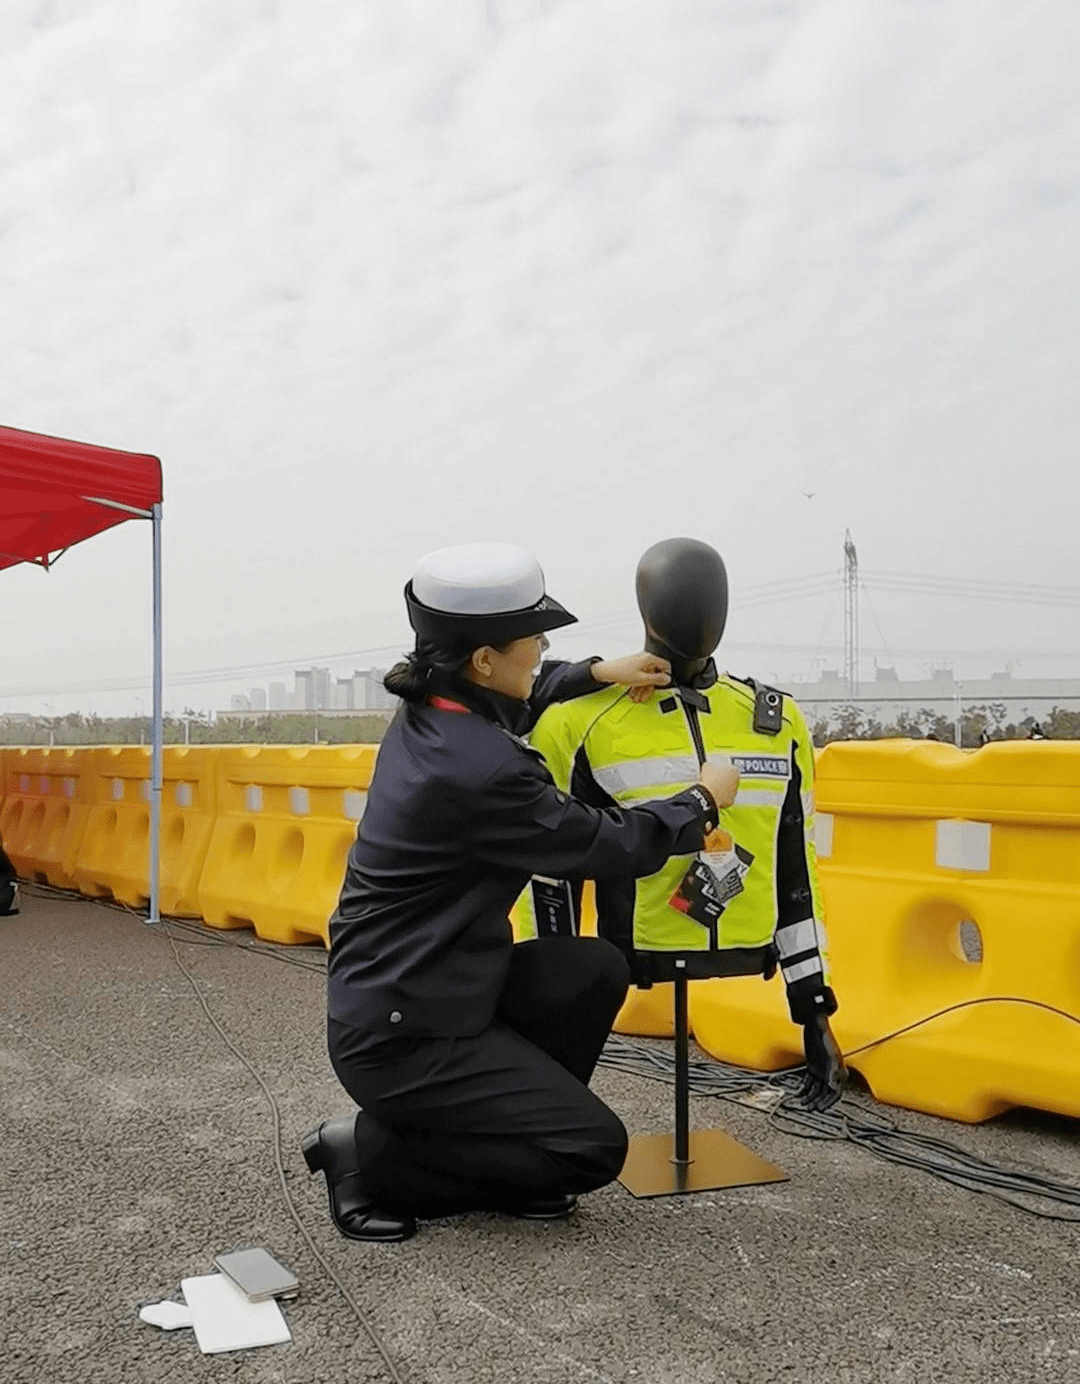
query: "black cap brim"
444, 629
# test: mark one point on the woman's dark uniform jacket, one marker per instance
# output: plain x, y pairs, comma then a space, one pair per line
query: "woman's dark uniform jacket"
9, 887
460, 814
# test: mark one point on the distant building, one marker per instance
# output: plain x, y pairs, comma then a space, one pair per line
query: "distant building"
887, 697
314, 689
304, 696
369, 694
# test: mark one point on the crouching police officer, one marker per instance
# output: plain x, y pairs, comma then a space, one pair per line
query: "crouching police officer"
470, 1057
9, 887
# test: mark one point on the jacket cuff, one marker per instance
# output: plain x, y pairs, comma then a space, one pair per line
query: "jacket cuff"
808, 999
704, 803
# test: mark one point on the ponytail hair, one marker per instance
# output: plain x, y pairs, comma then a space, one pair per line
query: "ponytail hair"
427, 669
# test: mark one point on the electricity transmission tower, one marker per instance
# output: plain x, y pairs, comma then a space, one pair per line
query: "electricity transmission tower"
851, 615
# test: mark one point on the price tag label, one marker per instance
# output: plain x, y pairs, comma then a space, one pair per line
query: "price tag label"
713, 880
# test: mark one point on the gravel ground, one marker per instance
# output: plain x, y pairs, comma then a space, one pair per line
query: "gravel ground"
137, 1146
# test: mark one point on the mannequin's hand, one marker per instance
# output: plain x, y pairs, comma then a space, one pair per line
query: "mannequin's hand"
640, 672
826, 1074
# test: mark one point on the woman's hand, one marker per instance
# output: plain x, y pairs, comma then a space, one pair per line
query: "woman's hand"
721, 778
640, 672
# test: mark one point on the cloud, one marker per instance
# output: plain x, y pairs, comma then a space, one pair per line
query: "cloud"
373, 278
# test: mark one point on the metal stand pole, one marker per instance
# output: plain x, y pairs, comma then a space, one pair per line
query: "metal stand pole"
682, 1073
700, 1160
157, 733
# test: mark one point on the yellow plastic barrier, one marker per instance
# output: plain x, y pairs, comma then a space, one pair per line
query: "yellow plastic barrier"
930, 855
649, 1013
286, 819
46, 803
923, 849
114, 855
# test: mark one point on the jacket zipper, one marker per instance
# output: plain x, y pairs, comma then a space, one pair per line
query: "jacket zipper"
694, 724
690, 712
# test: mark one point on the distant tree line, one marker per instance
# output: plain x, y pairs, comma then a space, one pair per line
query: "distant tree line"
978, 724
198, 728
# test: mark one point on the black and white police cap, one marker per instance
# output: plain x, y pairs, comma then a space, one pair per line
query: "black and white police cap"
484, 593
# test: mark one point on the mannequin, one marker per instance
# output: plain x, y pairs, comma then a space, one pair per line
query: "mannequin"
616, 751
682, 594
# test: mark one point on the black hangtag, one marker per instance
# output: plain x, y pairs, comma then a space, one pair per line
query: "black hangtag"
553, 907
698, 896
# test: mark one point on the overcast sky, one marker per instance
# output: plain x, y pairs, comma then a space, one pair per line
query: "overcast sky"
372, 278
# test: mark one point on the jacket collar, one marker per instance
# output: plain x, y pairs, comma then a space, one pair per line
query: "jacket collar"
701, 680
692, 692
506, 712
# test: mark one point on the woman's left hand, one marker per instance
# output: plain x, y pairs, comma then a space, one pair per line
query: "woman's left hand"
640, 672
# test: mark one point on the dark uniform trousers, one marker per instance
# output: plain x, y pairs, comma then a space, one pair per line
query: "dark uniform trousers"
9, 887
455, 1124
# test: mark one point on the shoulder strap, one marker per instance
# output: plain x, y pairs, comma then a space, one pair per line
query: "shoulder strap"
768, 706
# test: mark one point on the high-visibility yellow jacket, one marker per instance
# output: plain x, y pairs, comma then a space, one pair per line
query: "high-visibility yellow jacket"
610, 750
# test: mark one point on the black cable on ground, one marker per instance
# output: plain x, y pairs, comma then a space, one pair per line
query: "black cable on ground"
199, 934
164, 927
772, 1093
850, 1122
369, 1330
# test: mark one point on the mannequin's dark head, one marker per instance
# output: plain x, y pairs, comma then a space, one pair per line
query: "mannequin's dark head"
682, 593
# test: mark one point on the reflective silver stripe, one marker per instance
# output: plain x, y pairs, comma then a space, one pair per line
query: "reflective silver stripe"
807, 804
678, 770
746, 797
797, 937
759, 797
802, 969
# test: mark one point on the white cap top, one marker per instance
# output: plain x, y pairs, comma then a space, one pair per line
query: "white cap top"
479, 579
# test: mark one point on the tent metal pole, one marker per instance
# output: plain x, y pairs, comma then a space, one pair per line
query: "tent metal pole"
157, 733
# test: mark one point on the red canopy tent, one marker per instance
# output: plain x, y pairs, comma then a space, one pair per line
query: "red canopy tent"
55, 493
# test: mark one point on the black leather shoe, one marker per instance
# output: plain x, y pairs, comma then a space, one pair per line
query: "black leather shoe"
330, 1149
545, 1208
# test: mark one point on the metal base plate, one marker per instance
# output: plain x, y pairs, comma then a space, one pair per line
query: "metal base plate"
717, 1160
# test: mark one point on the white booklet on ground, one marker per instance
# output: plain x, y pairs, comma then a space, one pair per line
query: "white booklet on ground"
224, 1319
